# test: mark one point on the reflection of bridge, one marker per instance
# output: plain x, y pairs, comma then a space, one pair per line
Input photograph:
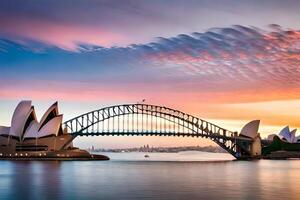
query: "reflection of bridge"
150, 120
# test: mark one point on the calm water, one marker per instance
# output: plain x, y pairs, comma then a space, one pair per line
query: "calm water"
162, 176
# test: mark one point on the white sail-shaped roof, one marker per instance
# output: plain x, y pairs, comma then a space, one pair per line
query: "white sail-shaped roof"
4, 130
19, 118
49, 114
51, 128
293, 135
250, 129
25, 125
285, 134
32, 130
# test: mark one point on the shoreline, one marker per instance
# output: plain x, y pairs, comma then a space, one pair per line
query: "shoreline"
92, 157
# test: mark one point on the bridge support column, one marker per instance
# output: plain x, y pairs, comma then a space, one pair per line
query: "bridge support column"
255, 147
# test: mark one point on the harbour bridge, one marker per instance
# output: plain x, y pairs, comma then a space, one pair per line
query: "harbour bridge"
151, 120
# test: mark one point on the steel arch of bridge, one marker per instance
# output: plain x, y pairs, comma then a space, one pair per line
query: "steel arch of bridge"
143, 119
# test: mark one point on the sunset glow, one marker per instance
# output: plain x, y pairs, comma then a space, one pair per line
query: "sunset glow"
228, 73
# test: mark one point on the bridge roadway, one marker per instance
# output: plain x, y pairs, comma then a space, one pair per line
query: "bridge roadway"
151, 120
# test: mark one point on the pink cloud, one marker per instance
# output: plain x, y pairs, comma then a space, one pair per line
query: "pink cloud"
231, 65
236, 59
63, 35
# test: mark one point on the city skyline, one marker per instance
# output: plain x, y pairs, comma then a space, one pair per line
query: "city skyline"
217, 61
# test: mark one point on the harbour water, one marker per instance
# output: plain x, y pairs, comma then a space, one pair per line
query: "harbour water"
184, 175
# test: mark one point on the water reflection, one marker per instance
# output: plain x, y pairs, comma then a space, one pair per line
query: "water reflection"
30, 180
144, 179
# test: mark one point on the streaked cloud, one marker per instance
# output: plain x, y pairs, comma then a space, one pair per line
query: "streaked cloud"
65, 36
235, 64
122, 22
250, 56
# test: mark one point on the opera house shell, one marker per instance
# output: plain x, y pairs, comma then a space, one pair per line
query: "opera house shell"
283, 145
286, 135
250, 130
28, 137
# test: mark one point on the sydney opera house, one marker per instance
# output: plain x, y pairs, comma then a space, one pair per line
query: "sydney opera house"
28, 138
286, 135
285, 144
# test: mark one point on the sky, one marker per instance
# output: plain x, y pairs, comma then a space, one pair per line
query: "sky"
225, 61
